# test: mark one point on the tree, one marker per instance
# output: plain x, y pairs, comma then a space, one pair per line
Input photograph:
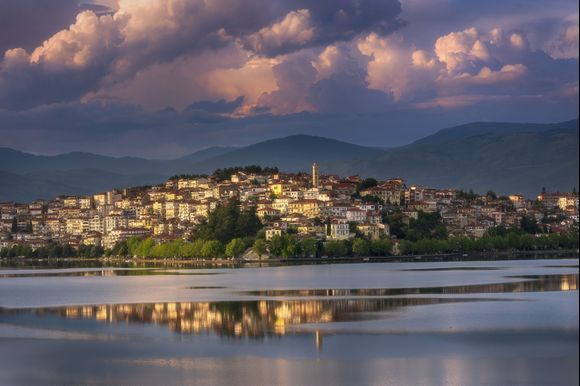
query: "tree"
530, 225
227, 222
144, 247
309, 247
260, 247
366, 184
360, 247
427, 225
235, 248
291, 248
336, 248
212, 248
277, 245
395, 221
381, 247
371, 198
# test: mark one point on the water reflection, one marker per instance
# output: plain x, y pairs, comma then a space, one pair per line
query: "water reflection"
103, 273
535, 283
451, 269
251, 319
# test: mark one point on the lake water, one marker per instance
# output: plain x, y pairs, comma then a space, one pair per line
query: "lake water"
458, 323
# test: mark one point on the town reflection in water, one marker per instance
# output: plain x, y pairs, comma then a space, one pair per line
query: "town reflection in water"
252, 319
529, 283
105, 273
258, 318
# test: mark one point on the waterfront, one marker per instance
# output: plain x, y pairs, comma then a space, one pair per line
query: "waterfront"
481, 322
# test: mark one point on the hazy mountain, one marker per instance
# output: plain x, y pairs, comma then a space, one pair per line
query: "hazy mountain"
504, 157
480, 128
48, 184
201, 155
293, 153
517, 161
19, 162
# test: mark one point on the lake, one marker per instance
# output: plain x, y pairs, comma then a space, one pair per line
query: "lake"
512, 322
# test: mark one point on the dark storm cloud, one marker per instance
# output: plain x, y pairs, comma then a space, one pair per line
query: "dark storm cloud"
102, 50
250, 70
122, 129
219, 107
26, 23
315, 23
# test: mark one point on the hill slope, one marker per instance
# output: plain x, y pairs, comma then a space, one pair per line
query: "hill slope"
507, 163
505, 157
293, 153
500, 128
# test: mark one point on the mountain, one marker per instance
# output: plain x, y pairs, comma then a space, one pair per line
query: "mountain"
201, 155
29, 177
480, 128
518, 160
47, 184
293, 153
505, 157
21, 162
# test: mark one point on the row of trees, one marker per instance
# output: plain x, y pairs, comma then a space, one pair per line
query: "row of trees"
181, 249
289, 246
226, 173
228, 222
53, 250
509, 241
425, 226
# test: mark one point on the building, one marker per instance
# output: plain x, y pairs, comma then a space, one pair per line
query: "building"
315, 176
338, 229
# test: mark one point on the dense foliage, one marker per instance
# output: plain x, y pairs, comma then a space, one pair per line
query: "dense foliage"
227, 222
226, 173
52, 250
509, 241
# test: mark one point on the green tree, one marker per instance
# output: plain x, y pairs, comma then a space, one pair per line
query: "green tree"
212, 248
360, 247
291, 247
309, 247
530, 225
381, 247
260, 247
366, 184
235, 248
227, 221
277, 245
336, 248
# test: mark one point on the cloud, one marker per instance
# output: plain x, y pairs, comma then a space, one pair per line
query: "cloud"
566, 44
121, 78
396, 68
293, 31
218, 107
99, 51
25, 23
294, 77
463, 63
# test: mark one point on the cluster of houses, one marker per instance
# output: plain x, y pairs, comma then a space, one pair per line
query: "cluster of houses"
314, 205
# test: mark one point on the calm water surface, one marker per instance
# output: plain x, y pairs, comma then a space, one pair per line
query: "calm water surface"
458, 323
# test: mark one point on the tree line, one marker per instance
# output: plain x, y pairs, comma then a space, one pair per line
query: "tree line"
53, 250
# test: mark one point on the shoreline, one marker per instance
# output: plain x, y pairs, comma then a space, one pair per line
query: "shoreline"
240, 263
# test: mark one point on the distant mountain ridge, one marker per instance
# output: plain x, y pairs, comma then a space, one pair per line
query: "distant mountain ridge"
506, 157
480, 128
292, 153
516, 162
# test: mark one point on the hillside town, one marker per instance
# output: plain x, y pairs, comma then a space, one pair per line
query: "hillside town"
320, 206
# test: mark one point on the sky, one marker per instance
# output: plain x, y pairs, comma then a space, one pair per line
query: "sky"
164, 78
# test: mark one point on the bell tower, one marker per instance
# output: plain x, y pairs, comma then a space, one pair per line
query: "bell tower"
315, 175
